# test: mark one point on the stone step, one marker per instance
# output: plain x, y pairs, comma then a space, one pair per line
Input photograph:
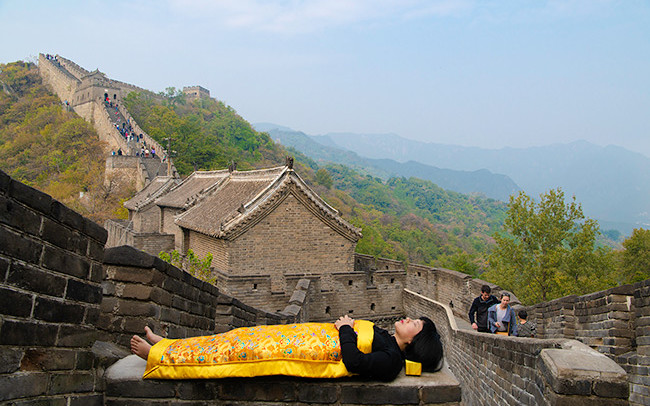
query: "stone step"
124, 385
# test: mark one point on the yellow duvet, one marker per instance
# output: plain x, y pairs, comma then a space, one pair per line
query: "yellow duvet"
309, 350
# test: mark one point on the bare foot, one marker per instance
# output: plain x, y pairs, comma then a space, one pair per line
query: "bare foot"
153, 338
140, 347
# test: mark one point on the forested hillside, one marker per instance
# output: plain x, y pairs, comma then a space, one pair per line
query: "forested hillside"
206, 134
407, 219
49, 148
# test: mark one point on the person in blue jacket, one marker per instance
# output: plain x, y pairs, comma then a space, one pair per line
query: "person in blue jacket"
502, 318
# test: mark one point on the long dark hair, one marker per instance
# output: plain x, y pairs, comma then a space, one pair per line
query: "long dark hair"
426, 347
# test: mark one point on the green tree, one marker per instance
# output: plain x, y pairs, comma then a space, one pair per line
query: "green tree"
323, 178
200, 268
548, 249
636, 256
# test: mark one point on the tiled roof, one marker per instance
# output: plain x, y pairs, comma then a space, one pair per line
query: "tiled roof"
153, 190
191, 188
244, 198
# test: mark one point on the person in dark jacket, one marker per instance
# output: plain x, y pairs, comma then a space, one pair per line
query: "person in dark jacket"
478, 312
414, 339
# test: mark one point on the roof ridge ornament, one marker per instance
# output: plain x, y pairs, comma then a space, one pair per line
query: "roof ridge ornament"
289, 162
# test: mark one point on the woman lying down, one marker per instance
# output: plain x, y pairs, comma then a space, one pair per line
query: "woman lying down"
312, 350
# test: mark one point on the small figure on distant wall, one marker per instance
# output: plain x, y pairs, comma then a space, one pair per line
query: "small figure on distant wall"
119, 151
478, 312
501, 317
525, 328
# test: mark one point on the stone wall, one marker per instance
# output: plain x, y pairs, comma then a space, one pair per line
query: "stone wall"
497, 370
168, 226
121, 232
60, 80
142, 290
50, 295
637, 363
147, 138
614, 322
315, 248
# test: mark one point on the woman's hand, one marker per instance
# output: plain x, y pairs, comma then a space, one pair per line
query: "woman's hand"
344, 321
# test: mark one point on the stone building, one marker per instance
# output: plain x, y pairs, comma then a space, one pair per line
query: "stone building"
266, 230
196, 92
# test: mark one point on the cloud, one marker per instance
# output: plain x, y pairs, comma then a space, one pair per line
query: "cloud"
302, 16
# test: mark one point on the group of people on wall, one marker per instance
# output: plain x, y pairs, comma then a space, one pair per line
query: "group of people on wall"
491, 315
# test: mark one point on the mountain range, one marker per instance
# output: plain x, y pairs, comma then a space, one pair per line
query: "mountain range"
611, 183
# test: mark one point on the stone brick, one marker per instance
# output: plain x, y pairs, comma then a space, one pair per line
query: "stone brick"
83, 292
128, 256
67, 216
31, 197
15, 303
63, 237
22, 385
258, 389
95, 231
317, 393
140, 292
95, 250
48, 359
10, 359
34, 279
16, 246
171, 315
198, 390
108, 305
16, 215
90, 400
71, 383
141, 389
161, 297
62, 261
85, 360
379, 395
57, 311
441, 394
5, 181
77, 336
92, 315
147, 276
4, 268
97, 272
25, 333
42, 401
133, 308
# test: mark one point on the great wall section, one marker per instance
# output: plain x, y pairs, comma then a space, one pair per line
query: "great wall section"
69, 305
85, 92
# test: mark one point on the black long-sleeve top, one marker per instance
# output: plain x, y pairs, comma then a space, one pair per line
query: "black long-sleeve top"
384, 362
480, 308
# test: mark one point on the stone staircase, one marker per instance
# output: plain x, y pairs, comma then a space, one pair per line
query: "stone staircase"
124, 385
155, 167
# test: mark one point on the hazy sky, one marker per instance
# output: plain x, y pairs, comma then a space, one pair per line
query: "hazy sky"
476, 73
